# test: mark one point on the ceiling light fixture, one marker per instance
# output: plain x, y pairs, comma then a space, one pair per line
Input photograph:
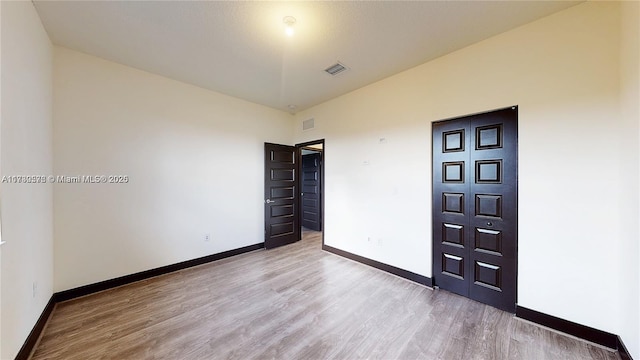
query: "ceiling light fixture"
289, 21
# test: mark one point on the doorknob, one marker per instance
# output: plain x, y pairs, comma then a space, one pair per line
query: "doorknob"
269, 201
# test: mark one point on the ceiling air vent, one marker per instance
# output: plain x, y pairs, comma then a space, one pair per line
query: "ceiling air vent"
335, 69
308, 124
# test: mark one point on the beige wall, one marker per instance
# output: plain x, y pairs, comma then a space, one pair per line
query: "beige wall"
1, 241
194, 159
27, 210
629, 257
563, 73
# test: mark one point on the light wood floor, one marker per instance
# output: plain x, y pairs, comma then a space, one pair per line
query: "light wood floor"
295, 302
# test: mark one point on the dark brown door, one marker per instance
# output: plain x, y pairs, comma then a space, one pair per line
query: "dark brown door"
281, 220
311, 191
475, 206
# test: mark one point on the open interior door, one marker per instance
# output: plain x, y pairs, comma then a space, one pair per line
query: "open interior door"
281, 219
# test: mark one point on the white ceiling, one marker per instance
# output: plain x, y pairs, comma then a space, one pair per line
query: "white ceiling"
239, 48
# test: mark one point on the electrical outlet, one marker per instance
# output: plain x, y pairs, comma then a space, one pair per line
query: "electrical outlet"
207, 237
35, 289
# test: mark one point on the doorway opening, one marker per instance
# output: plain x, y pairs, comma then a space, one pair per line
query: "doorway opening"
311, 200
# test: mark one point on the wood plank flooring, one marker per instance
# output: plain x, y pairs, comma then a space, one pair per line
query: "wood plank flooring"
294, 302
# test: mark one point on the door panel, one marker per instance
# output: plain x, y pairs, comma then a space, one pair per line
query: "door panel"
280, 189
475, 223
311, 191
450, 198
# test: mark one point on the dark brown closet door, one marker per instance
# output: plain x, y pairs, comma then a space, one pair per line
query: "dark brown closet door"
475, 206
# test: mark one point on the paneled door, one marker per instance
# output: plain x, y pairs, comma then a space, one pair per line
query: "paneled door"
475, 212
281, 219
311, 191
